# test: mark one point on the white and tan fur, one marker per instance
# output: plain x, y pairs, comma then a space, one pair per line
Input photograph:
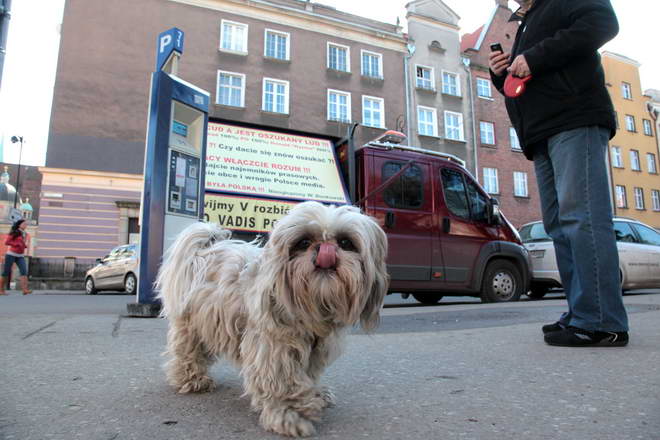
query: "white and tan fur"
272, 310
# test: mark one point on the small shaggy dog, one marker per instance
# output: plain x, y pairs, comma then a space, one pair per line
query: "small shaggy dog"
278, 312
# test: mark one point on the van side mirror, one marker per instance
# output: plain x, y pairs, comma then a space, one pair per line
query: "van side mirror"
494, 217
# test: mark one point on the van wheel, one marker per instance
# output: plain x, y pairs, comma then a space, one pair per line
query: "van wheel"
90, 288
537, 292
502, 282
130, 284
427, 298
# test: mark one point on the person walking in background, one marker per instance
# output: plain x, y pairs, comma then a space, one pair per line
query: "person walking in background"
16, 240
564, 119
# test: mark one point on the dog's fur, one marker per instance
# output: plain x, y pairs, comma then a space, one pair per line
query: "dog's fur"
273, 311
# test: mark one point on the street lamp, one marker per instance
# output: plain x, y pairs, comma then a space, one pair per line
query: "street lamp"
15, 139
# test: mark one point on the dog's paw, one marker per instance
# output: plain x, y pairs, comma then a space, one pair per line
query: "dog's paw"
197, 385
286, 421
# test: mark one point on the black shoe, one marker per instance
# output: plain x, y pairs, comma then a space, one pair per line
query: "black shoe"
576, 337
557, 326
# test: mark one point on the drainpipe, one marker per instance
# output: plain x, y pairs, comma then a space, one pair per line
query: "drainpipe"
5, 16
466, 65
406, 75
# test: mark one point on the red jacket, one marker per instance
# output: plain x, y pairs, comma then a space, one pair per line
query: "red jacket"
16, 244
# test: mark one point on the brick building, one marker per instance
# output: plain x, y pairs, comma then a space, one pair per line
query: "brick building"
323, 69
502, 169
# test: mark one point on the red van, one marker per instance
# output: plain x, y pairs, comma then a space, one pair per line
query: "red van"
446, 234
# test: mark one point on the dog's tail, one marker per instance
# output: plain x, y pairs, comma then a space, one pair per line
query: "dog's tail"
185, 265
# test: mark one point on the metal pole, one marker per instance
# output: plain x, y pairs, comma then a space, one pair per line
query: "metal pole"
18, 173
5, 16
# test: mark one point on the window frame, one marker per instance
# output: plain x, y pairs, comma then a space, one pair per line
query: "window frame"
461, 126
244, 43
421, 186
621, 196
486, 184
651, 163
431, 78
348, 105
490, 88
468, 208
616, 153
524, 182
348, 56
655, 200
458, 83
243, 80
286, 95
287, 49
635, 162
382, 111
513, 134
379, 56
647, 127
434, 127
639, 202
633, 124
626, 90
483, 124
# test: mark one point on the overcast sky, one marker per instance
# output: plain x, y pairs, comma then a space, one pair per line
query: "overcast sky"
33, 41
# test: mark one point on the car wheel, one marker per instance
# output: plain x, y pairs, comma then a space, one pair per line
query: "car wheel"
90, 288
427, 298
537, 292
130, 284
502, 282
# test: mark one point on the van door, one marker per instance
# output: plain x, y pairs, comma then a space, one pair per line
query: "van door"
405, 209
464, 228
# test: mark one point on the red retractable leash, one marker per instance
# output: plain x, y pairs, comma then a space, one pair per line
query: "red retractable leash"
514, 86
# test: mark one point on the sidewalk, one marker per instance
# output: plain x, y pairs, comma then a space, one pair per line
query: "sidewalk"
72, 367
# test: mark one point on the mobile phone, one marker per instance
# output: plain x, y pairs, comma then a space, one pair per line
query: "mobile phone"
496, 47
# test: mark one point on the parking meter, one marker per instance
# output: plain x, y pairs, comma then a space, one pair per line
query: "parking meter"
173, 194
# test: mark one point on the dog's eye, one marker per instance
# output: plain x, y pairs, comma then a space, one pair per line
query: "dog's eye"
346, 244
302, 244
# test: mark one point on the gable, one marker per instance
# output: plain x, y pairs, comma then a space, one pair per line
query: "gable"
434, 9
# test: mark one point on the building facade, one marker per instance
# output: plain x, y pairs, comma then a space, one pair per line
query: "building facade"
634, 150
439, 97
286, 64
502, 168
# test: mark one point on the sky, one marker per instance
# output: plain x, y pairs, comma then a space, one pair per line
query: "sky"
26, 91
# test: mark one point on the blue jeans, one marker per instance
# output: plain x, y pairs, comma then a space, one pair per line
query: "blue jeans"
9, 262
577, 213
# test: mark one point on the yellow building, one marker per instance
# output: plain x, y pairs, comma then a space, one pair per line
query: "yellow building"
634, 150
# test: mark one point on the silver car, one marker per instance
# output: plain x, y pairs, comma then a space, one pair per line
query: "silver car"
639, 256
116, 271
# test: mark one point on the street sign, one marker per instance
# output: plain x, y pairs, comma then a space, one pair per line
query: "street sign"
170, 43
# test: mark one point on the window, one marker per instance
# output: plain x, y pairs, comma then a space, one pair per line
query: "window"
634, 160
487, 130
338, 57
616, 118
406, 190
650, 162
483, 88
624, 232
231, 89
233, 36
372, 112
648, 235
276, 96
339, 106
513, 136
455, 195
424, 77
372, 64
454, 126
621, 197
277, 45
648, 128
450, 85
639, 198
626, 91
520, 184
617, 159
478, 203
491, 183
655, 199
630, 123
427, 121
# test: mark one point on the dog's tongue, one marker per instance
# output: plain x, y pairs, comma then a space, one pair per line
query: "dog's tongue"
326, 257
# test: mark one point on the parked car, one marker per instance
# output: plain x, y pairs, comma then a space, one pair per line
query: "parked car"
116, 271
639, 256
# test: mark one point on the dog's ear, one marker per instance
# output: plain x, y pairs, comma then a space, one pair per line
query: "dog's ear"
370, 316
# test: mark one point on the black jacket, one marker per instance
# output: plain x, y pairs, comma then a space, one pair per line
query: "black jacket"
560, 41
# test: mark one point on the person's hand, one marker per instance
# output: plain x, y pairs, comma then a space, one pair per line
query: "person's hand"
519, 67
498, 62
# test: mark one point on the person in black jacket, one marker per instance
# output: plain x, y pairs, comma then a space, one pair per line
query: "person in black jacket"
564, 120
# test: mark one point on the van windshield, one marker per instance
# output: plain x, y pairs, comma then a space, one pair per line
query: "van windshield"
534, 232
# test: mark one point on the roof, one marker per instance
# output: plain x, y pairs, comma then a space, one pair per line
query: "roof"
469, 41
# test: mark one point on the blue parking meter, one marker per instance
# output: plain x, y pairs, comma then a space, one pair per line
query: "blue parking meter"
173, 194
